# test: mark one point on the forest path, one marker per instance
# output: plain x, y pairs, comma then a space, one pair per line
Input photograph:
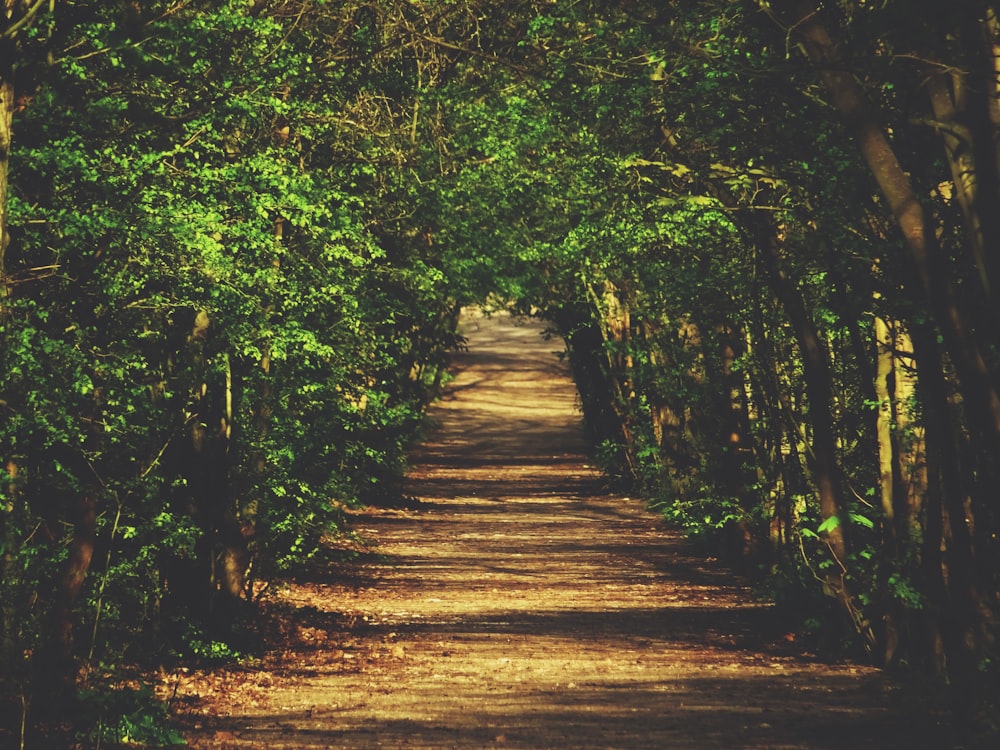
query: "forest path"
513, 603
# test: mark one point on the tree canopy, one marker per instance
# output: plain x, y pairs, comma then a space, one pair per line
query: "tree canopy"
235, 237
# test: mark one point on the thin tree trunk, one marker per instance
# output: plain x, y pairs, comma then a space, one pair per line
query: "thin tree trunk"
823, 461
903, 485
612, 319
909, 470
55, 666
917, 506
955, 576
7, 52
819, 388
886, 454
733, 441
892, 615
8, 573
224, 550
782, 453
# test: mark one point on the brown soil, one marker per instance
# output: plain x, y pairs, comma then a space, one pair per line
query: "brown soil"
514, 603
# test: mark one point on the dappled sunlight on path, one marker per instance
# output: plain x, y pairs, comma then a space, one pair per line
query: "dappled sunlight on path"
513, 603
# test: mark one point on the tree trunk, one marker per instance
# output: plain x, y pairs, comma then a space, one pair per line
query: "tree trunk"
892, 614
780, 461
928, 262
969, 110
732, 439
963, 444
823, 462
7, 52
612, 315
903, 485
917, 506
886, 455
953, 579
55, 665
8, 493
224, 555
819, 387
9, 662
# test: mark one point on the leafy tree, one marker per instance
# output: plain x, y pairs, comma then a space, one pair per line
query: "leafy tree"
212, 345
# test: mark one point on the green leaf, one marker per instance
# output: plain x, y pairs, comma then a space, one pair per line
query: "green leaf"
829, 525
862, 520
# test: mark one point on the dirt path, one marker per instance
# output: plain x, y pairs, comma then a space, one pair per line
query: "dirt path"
517, 605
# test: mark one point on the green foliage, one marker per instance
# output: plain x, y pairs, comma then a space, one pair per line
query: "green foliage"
241, 234
219, 331
702, 516
194, 645
128, 717
903, 591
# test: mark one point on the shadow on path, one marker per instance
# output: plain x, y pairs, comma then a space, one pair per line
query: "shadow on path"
513, 603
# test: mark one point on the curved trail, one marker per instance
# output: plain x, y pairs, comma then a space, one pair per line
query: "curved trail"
515, 604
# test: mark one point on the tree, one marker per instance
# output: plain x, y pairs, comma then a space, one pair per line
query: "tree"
960, 107
225, 343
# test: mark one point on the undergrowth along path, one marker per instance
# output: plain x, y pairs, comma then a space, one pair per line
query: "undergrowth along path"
512, 602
